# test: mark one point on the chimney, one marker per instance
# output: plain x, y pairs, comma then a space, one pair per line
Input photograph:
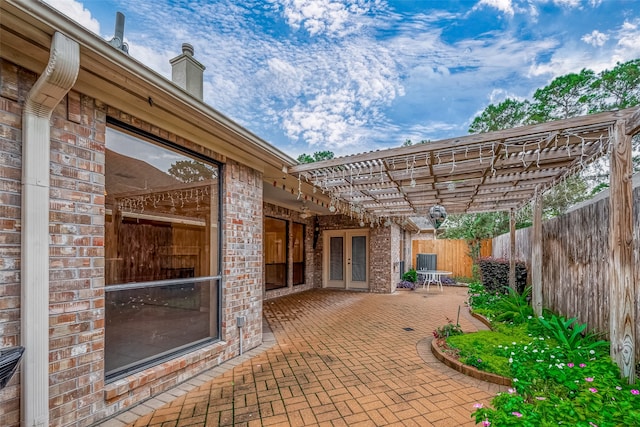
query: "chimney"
118, 39
186, 72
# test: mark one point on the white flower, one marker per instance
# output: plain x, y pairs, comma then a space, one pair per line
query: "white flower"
535, 350
514, 343
592, 352
511, 360
552, 356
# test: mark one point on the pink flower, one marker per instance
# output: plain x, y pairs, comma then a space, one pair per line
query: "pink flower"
589, 379
511, 390
517, 414
570, 365
582, 365
486, 423
541, 398
634, 391
477, 405
593, 390
593, 424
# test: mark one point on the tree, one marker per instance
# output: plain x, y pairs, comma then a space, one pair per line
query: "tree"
617, 88
509, 113
192, 171
566, 96
474, 228
317, 157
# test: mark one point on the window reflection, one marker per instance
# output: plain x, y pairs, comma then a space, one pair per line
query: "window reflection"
275, 253
161, 233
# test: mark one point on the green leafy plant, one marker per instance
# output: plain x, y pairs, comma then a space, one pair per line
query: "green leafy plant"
410, 276
447, 330
515, 307
570, 334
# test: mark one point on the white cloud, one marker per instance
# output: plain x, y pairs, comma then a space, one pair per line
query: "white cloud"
568, 3
628, 44
333, 18
76, 11
504, 6
595, 38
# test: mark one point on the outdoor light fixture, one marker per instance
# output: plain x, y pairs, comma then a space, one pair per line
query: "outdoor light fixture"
437, 216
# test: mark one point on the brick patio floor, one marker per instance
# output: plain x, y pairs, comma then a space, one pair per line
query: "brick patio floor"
339, 359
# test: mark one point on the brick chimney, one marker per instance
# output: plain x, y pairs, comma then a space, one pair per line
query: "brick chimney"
186, 72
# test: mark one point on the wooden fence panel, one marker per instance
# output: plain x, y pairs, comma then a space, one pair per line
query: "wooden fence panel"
575, 270
453, 255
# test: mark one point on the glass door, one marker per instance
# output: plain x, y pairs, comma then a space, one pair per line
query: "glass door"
346, 260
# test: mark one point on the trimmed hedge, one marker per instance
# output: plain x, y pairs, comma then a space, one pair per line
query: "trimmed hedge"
494, 273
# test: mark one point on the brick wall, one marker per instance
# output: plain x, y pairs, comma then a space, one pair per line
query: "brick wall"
242, 256
78, 393
14, 86
76, 282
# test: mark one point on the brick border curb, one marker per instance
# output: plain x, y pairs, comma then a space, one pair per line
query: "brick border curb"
481, 318
466, 369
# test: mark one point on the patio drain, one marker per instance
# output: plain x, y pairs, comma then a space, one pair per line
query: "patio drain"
407, 329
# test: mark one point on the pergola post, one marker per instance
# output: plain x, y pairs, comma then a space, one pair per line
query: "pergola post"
622, 287
512, 249
536, 256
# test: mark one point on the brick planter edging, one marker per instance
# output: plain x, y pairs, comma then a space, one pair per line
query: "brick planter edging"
481, 318
466, 369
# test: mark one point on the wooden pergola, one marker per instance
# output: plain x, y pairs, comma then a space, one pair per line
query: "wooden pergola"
500, 171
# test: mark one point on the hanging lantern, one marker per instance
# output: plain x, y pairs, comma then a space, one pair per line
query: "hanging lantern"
437, 216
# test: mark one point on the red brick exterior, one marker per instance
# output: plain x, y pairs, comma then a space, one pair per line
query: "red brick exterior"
78, 393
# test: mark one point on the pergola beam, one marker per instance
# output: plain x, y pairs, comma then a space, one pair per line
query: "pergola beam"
632, 126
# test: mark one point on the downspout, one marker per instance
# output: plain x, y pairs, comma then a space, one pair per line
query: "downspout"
54, 83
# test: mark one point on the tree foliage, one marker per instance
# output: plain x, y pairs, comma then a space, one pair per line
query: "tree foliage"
566, 96
316, 157
192, 171
509, 113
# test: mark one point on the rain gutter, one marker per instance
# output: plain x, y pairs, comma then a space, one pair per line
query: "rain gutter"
52, 86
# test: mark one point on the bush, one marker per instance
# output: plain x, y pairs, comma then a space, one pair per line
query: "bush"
410, 276
494, 273
448, 330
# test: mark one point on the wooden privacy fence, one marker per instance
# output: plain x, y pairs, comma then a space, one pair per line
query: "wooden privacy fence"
453, 255
575, 267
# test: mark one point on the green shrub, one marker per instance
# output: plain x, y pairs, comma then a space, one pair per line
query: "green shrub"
410, 276
494, 273
514, 307
447, 330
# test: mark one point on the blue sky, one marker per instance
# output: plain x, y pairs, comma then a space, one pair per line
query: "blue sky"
353, 76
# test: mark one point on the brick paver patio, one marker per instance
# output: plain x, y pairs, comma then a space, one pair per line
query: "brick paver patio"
339, 359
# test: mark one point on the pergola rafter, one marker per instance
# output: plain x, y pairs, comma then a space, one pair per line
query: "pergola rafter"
495, 171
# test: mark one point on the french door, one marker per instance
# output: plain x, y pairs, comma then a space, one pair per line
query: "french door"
346, 259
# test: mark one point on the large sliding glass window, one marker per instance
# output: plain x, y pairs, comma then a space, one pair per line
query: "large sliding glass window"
298, 253
161, 250
275, 253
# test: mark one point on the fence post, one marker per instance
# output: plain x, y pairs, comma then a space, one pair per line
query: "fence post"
536, 255
622, 287
512, 251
